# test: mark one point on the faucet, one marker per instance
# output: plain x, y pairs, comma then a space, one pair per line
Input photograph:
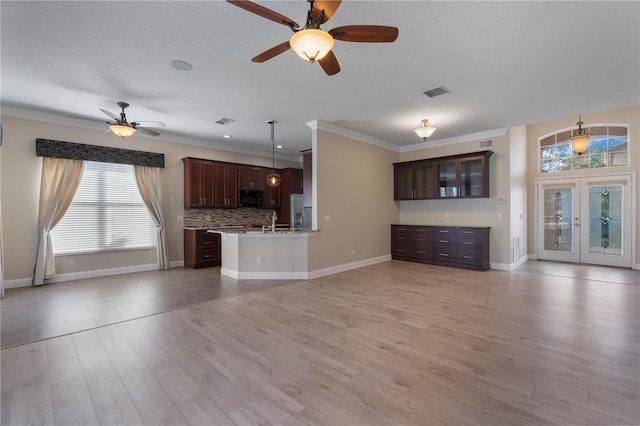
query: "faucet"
274, 217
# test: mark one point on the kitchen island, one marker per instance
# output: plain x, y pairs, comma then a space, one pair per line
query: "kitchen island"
257, 254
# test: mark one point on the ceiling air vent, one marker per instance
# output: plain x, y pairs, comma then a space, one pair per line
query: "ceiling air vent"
224, 121
486, 144
437, 91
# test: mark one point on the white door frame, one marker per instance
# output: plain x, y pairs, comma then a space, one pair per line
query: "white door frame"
582, 234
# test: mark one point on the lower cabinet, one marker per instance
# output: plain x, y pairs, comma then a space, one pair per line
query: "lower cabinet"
461, 247
201, 248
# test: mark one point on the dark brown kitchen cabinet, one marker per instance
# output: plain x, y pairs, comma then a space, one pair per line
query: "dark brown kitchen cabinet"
271, 198
456, 176
226, 185
201, 248
307, 169
198, 183
414, 180
251, 177
290, 183
460, 247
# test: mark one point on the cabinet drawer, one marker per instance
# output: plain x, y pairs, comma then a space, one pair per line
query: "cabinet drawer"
458, 256
458, 241
207, 241
411, 229
411, 239
212, 255
411, 252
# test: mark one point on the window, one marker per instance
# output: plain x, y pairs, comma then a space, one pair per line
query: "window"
608, 147
106, 213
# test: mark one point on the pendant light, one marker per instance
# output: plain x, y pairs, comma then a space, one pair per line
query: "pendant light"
424, 130
273, 178
580, 138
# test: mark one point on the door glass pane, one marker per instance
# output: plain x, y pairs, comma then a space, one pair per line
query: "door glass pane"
605, 219
447, 179
471, 178
424, 180
558, 219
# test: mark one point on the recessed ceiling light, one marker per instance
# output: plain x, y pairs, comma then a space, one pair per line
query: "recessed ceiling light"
227, 136
279, 146
181, 65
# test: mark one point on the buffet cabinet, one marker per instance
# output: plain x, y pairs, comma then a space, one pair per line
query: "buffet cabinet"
201, 248
460, 247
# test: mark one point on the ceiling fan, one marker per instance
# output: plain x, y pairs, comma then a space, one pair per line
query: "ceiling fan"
310, 42
124, 129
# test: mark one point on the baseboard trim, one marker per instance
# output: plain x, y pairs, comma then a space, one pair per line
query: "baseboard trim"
264, 275
348, 266
27, 282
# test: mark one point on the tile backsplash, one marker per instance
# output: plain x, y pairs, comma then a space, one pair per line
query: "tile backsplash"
216, 218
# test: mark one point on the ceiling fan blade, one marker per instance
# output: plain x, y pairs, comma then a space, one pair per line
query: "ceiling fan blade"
329, 7
149, 123
365, 33
264, 12
330, 63
110, 114
148, 131
274, 51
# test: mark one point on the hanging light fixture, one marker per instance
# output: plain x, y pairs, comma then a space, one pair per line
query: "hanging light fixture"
311, 44
122, 130
424, 131
273, 178
580, 138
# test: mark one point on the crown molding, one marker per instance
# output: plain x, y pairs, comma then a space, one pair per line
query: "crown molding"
351, 134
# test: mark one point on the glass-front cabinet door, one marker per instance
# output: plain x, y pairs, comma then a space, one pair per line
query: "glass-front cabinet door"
447, 178
473, 179
425, 178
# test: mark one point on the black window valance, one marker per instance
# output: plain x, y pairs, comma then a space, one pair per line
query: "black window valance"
105, 154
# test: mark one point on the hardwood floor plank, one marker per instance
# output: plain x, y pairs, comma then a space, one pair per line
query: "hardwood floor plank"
71, 400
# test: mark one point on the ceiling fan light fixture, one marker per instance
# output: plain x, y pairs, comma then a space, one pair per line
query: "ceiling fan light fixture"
580, 138
311, 44
122, 130
424, 130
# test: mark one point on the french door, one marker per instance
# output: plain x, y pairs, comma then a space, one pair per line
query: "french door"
586, 220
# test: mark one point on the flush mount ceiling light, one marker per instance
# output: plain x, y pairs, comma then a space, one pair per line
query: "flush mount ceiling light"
273, 178
311, 44
424, 131
580, 138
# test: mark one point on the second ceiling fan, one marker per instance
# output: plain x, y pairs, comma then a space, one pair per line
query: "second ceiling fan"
310, 42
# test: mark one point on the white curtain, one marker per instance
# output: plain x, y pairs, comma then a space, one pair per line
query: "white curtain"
148, 179
59, 181
1, 258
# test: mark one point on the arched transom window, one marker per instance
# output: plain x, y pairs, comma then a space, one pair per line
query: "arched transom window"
608, 147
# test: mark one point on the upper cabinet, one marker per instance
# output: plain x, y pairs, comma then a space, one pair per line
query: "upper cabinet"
414, 180
226, 186
456, 176
251, 177
198, 183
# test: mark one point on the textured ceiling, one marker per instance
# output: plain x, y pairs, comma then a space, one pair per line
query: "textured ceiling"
504, 63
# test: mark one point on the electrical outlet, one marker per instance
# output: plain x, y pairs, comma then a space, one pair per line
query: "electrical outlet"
180, 218
72, 263
446, 215
259, 261
499, 216
353, 252
327, 217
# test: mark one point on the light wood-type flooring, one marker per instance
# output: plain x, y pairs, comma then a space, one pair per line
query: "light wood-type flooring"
393, 343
